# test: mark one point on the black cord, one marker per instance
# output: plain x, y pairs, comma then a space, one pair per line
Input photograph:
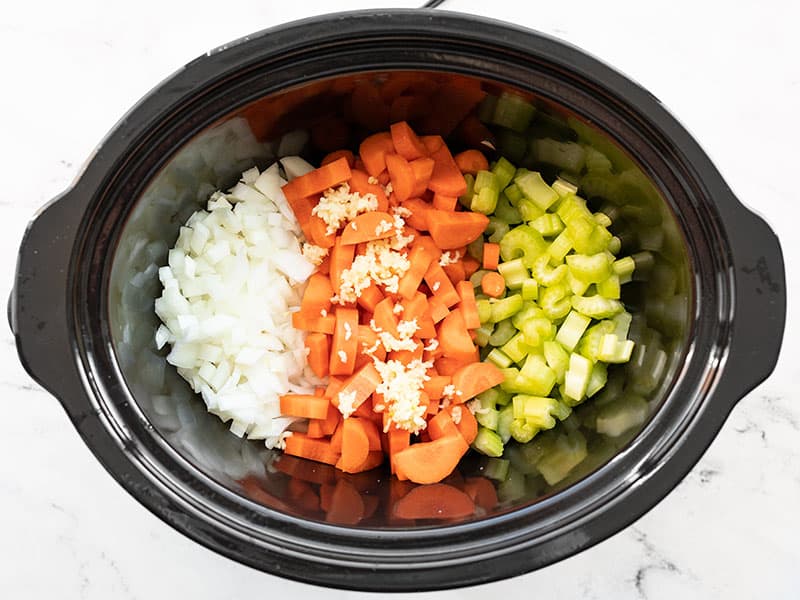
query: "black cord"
432, 3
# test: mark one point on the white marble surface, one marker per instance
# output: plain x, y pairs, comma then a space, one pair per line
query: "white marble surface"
729, 71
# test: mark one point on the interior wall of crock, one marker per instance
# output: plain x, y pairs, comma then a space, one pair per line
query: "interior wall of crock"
556, 143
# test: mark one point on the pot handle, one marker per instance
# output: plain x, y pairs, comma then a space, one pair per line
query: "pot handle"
759, 311
37, 307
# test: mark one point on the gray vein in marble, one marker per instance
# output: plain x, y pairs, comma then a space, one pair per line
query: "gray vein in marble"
653, 561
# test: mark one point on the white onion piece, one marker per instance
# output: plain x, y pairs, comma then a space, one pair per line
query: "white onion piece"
294, 166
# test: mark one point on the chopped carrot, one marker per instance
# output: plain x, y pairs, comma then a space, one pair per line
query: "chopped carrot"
452, 230
301, 445
336, 438
446, 365
398, 440
341, 259
491, 256
317, 296
373, 435
468, 305
313, 322
359, 183
434, 387
482, 492
336, 155
369, 297
432, 142
467, 424
440, 284
374, 459
360, 385
493, 284
471, 161
434, 502
334, 385
420, 258
406, 143
401, 175
470, 265
442, 202
417, 308
455, 272
442, 425
454, 339
355, 445
324, 427
319, 353
305, 406
438, 309
367, 340
318, 180
373, 152
302, 207
368, 226
430, 462
446, 178
473, 379
418, 219
406, 356
384, 316
344, 346
423, 169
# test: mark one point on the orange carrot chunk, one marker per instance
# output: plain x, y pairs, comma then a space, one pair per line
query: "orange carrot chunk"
373, 152
318, 180
468, 305
418, 219
471, 161
423, 169
337, 154
440, 284
357, 388
355, 445
359, 183
317, 296
430, 462
406, 143
305, 406
401, 175
446, 178
345, 342
451, 230
467, 424
454, 339
493, 284
313, 322
368, 226
302, 446
319, 353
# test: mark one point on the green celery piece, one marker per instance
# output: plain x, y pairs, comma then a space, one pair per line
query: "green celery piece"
488, 443
610, 288
564, 155
559, 248
555, 301
486, 179
522, 431
484, 201
596, 307
494, 397
503, 331
567, 452
572, 208
466, 198
514, 272
483, 336
538, 378
498, 358
529, 311
497, 228
557, 359
528, 211
513, 112
589, 268
513, 488
504, 171
624, 266
507, 212
495, 468
589, 346
513, 193
504, 420
597, 379
488, 418
530, 289
587, 236
538, 329
523, 242
510, 375
576, 379
602, 219
571, 330
505, 308
484, 311
536, 410
516, 348
577, 286
548, 225
545, 275
613, 350
564, 188
622, 324
536, 189
621, 415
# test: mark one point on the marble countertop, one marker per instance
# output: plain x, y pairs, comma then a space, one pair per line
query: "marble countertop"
728, 71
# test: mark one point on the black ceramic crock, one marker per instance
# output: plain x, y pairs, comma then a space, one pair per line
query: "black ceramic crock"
70, 332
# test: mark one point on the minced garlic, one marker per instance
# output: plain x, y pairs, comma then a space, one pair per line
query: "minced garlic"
338, 205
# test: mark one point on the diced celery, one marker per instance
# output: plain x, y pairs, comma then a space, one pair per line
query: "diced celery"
624, 266
538, 378
513, 193
589, 346
535, 189
494, 397
586, 235
590, 268
528, 211
597, 379
484, 201
536, 410
522, 241
484, 311
555, 301
596, 307
495, 468
504, 420
488, 417
571, 330
504, 171
622, 324
497, 228
573, 208
529, 311
466, 198
548, 225
557, 359
613, 350
564, 155
506, 212
503, 331
523, 431
516, 348
602, 219
621, 415
513, 112
576, 379
487, 442
567, 452
510, 377
545, 275
514, 272
530, 289
537, 330
577, 286
564, 188
483, 335
513, 488
610, 287
506, 307
559, 248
